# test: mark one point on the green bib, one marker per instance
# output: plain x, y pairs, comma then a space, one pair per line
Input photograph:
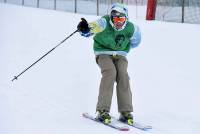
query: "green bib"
113, 40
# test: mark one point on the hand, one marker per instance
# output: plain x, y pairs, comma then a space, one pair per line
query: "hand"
83, 26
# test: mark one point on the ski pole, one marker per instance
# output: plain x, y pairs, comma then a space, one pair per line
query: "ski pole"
16, 77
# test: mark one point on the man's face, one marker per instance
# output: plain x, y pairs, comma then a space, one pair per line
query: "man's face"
118, 19
119, 22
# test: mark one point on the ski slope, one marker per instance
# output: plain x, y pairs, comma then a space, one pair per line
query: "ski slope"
51, 97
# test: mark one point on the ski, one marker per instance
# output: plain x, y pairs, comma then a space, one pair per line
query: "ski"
136, 125
112, 124
139, 126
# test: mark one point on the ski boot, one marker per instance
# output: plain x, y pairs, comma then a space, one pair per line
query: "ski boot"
126, 117
103, 116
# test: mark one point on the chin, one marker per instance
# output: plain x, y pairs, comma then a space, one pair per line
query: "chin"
119, 26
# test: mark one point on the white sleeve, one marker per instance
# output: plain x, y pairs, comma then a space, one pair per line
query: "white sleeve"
136, 38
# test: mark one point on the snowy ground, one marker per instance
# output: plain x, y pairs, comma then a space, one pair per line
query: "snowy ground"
51, 96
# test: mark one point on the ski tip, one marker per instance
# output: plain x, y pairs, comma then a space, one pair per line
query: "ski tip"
84, 114
147, 128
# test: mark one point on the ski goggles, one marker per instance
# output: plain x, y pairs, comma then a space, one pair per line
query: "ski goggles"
119, 19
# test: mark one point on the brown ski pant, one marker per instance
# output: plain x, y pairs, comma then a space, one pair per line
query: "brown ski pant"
114, 69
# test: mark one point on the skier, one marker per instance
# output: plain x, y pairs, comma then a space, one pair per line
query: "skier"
114, 36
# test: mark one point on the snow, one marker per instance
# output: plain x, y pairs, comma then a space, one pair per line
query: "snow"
51, 96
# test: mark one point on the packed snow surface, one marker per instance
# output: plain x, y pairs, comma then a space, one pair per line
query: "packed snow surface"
52, 95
